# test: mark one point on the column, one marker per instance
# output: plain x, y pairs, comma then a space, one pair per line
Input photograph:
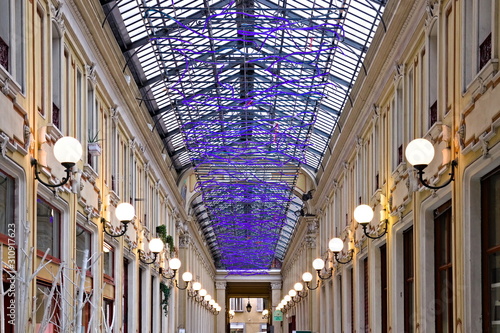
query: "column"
275, 300
184, 241
220, 322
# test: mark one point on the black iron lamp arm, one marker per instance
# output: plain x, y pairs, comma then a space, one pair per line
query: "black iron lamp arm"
107, 229
169, 277
420, 171
386, 222
327, 276
318, 282
181, 288
336, 255
142, 257
68, 167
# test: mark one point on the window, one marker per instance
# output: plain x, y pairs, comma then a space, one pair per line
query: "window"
6, 206
12, 38
237, 328
48, 228
408, 279
48, 308
108, 306
433, 76
125, 294
82, 244
56, 76
443, 269
490, 240
398, 125
79, 115
109, 262
261, 304
477, 40
236, 304
366, 296
8, 298
383, 287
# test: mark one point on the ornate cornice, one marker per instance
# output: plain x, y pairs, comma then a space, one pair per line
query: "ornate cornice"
276, 285
221, 285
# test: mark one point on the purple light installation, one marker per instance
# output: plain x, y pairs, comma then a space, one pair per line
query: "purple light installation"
246, 107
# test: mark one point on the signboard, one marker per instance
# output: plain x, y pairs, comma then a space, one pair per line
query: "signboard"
278, 315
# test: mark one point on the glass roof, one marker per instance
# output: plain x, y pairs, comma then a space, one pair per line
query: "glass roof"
246, 93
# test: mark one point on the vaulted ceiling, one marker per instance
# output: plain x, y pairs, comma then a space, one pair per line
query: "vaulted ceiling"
246, 93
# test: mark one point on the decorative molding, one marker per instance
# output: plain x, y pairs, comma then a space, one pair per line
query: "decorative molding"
90, 73
399, 70
484, 145
184, 241
432, 9
56, 16
4, 140
115, 114
220, 285
276, 285
376, 112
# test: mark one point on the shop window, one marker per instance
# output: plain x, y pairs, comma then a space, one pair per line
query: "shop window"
408, 279
383, 287
7, 226
47, 317
490, 240
443, 268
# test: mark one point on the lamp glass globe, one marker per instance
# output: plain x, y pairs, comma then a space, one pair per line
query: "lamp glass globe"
156, 245
292, 293
187, 277
196, 286
307, 277
363, 214
336, 244
208, 297
125, 212
298, 286
212, 302
68, 150
419, 152
318, 264
203, 292
265, 312
287, 298
174, 263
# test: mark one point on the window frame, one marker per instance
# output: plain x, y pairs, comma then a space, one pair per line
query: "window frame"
58, 232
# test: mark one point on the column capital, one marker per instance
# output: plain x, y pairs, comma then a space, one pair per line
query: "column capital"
220, 285
276, 285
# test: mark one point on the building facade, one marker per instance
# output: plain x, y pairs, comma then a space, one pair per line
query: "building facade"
431, 72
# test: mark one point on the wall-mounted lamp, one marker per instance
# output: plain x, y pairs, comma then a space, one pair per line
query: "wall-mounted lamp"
125, 213
174, 264
299, 288
201, 295
336, 245
230, 314
155, 246
195, 289
420, 153
363, 214
307, 278
249, 306
318, 265
187, 277
265, 314
67, 151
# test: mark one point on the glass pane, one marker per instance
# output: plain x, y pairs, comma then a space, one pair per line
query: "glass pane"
6, 204
494, 210
108, 260
47, 236
82, 244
